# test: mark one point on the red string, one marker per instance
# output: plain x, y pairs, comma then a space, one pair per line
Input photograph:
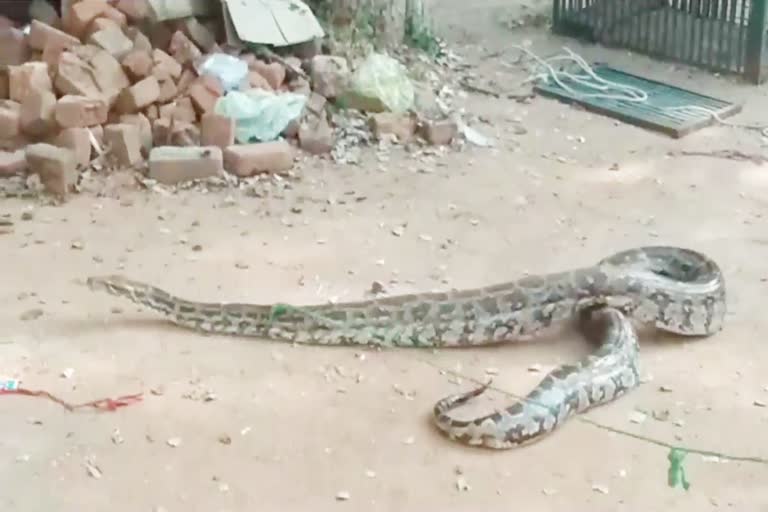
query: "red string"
105, 404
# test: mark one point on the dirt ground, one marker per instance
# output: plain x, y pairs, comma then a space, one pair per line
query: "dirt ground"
261, 425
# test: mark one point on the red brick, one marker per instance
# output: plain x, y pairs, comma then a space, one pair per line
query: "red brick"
257, 81
10, 119
264, 157
113, 41
75, 76
168, 91
205, 91
198, 33
273, 73
186, 78
55, 166
140, 40
78, 141
14, 49
165, 66
115, 15
12, 163
81, 14
22, 79
175, 133
37, 112
316, 136
171, 165
52, 52
217, 130
138, 64
139, 96
179, 110
110, 76
41, 35
183, 49
134, 10
100, 24
152, 112
81, 111
141, 122
124, 143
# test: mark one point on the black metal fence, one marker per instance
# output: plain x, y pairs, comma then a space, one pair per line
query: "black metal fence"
719, 35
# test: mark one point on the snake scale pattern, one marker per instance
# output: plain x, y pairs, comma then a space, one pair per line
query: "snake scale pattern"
677, 290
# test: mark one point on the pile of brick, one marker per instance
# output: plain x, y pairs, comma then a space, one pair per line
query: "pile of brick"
98, 84
106, 84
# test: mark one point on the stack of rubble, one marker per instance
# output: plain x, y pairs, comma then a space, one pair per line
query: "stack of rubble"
104, 84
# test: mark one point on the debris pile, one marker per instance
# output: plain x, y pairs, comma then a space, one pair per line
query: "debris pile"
113, 85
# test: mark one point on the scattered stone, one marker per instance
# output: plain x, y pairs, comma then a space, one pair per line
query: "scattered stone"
343, 496
439, 133
637, 417
402, 126
174, 442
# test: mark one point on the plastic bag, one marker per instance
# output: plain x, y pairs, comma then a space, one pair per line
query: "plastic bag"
230, 70
260, 115
383, 78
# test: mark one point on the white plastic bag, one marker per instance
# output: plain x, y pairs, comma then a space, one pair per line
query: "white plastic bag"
230, 70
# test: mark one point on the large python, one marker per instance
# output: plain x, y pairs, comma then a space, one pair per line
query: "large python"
677, 290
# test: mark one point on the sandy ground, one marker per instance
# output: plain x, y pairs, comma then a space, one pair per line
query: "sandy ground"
306, 423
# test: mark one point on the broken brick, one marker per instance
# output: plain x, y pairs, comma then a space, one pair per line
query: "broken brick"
138, 64
37, 112
183, 49
80, 111
198, 33
217, 130
171, 165
205, 91
75, 76
402, 126
124, 143
55, 166
113, 41
330, 75
165, 66
41, 35
139, 96
263, 157
439, 133
273, 73
316, 137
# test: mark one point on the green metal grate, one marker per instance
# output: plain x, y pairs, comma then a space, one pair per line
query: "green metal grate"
661, 112
720, 35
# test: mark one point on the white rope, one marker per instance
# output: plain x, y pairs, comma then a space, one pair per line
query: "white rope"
603, 86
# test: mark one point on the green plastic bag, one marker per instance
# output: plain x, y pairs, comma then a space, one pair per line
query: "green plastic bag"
383, 78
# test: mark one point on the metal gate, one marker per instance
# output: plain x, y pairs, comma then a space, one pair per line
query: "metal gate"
719, 35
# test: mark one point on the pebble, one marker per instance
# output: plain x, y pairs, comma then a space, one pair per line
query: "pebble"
343, 496
31, 314
600, 488
174, 442
760, 403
